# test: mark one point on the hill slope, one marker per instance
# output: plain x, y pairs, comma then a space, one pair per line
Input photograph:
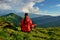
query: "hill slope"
35, 34
10, 30
12, 18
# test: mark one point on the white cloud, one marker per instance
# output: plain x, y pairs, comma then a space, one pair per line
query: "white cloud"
52, 14
28, 7
24, 9
35, 10
58, 5
39, 0
24, 6
4, 6
46, 12
6, 0
20, 5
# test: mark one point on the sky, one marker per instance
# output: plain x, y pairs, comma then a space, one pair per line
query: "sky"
40, 7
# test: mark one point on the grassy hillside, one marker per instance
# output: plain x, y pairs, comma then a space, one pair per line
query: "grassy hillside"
35, 34
14, 33
12, 18
10, 30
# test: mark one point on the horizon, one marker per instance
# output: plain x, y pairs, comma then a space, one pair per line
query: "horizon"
29, 14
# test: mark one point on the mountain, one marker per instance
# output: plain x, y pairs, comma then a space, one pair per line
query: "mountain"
47, 21
11, 18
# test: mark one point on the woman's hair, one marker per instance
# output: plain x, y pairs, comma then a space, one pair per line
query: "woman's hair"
26, 14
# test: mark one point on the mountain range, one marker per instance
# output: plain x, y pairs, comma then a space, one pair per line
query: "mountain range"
47, 21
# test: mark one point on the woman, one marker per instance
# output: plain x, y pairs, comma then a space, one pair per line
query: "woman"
26, 24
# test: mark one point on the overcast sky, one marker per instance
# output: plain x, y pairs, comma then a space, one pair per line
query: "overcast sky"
40, 7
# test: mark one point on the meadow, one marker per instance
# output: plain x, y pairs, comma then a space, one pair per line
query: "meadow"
35, 34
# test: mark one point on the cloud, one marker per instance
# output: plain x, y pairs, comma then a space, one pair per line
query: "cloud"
21, 5
35, 10
29, 7
25, 6
4, 6
52, 14
39, 0
58, 5
47, 12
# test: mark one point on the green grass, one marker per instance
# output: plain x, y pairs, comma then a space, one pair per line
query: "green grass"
35, 34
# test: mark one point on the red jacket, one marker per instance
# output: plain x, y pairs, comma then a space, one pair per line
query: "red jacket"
27, 26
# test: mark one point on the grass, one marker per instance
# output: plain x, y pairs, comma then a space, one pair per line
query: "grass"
35, 34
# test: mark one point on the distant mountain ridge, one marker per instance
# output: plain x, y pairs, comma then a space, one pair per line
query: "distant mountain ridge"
47, 21
5, 12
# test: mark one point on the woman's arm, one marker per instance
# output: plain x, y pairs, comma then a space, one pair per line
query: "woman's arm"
31, 24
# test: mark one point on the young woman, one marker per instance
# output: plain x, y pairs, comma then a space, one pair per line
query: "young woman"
26, 24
